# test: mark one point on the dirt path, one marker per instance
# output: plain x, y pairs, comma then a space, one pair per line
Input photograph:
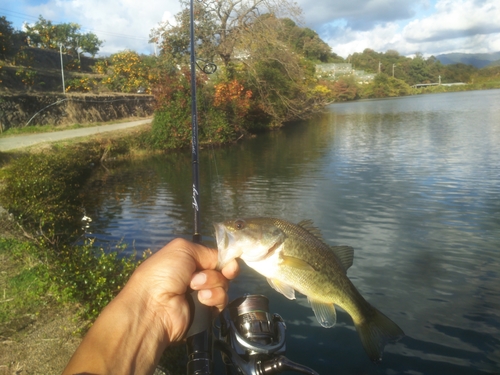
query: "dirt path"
11, 143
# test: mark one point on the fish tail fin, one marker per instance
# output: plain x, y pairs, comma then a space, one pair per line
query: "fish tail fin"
376, 331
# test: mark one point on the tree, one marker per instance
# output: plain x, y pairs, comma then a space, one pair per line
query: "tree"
130, 71
385, 86
419, 70
44, 34
256, 53
6, 32
219, 25
457, 73
345, 88
282, 80
308, 43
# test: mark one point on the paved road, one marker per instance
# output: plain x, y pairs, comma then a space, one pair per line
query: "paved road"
11, 143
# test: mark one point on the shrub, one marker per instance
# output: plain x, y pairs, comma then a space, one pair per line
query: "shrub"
27, 76
100, 67
91, 275
41, 191
80, 84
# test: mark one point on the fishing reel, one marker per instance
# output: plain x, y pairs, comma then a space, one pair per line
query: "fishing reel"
252, 341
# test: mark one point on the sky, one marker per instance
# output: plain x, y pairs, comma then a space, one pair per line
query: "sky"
431, 27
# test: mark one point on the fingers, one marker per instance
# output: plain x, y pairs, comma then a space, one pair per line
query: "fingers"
204, 257
212, 287
231, 270
209, 279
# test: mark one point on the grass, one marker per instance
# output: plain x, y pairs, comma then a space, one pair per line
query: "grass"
38, 129
25, 285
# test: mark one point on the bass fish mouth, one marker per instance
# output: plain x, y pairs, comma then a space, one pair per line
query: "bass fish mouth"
221, 236
224, 239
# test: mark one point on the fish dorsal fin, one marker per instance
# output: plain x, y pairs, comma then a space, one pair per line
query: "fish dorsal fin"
345, 254
311, 228
282, 288
325, 313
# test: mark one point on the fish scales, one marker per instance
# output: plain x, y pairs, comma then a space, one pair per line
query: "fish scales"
327, 281
293, 257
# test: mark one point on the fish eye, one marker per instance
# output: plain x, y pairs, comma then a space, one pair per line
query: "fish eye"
239, 224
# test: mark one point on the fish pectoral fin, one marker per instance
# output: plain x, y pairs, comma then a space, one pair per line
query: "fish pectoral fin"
325, 313
296, 263
282, 288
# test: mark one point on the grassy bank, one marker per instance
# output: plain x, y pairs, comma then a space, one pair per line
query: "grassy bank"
37, 321
51, 289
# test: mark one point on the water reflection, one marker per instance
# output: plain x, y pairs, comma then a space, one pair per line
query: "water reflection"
413, 184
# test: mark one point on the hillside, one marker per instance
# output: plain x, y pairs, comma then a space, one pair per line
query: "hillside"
30, 69
478, 60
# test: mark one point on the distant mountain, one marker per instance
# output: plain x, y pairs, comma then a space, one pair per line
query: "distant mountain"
479, 60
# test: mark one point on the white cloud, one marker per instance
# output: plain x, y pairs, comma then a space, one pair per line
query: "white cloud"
122, 24
380, 38
456, 19
408, 26
469, 26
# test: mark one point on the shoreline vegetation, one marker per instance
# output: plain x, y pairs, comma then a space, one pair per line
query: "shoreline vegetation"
45, 287
266, 78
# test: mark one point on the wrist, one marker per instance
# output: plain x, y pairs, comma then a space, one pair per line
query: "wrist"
126, 338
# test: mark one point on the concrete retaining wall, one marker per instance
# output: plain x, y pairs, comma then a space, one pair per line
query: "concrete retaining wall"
50, 109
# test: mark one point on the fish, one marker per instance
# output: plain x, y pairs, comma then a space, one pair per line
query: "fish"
295, 258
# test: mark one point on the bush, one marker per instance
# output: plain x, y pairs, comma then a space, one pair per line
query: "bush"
41, 191
80, 84
90, 275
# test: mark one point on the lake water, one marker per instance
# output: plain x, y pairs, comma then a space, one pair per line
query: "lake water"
413, 184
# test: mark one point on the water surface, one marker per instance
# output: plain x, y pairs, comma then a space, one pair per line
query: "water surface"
413, 184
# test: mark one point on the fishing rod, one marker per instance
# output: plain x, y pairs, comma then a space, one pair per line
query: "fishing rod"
199, 336
251, 340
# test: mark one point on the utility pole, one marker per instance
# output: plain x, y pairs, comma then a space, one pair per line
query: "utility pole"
393, 65
379, 65
62, 68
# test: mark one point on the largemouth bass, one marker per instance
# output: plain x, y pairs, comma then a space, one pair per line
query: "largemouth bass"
293, 257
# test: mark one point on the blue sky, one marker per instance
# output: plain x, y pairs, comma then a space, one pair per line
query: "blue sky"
431, 27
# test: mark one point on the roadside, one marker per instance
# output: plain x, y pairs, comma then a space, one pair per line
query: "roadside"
16, 142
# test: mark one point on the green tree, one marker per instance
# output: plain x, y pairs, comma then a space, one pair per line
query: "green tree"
283, 81
308, 43
385, 86
419, 70
458, 73
6, 32
44, 34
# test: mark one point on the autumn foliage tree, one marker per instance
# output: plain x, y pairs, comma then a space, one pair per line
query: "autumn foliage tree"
232, 98
251, 42
45, 34
128, 71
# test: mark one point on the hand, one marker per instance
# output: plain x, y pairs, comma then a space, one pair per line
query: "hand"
152, 311
165, 277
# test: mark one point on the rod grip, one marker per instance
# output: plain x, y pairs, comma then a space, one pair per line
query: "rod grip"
199, 337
